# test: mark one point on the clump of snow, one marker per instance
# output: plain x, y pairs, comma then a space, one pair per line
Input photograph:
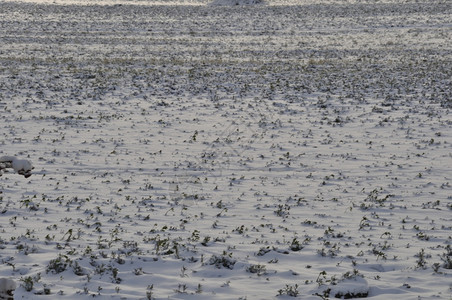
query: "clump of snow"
7, 287
355, 287
236, 2
20, 166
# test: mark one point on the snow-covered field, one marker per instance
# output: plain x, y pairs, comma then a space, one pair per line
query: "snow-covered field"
192, 151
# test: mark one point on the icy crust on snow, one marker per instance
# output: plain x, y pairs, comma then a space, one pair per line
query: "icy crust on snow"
208, 152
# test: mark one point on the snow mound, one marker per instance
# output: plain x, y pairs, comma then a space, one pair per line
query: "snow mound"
20, 166
237, 2
7, 287
355, 287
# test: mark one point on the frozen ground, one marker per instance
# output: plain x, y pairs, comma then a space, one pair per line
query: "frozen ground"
204, 152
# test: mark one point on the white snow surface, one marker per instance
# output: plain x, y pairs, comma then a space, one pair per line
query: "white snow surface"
188, 151
22, 165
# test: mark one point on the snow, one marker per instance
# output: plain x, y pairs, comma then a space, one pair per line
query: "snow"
20, 166
7, 287
183, 150
236, 2
355, 287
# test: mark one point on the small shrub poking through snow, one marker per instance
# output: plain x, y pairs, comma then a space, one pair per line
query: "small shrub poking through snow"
59, 264
446, 257
223, 261
257, 269
289, 290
